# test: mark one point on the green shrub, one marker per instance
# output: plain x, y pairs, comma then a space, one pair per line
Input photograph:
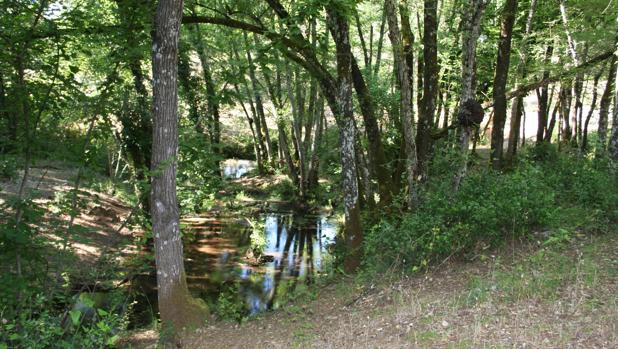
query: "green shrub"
8, 167
489, 208
39, 326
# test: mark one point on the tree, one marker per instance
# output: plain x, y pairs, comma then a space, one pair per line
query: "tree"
604, 108
353, 231
431, 70
407, 117
468, 82
176, 306
500, 80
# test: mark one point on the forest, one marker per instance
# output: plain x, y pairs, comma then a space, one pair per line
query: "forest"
308, 174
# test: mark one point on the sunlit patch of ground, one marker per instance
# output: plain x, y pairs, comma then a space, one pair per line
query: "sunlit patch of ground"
98, 221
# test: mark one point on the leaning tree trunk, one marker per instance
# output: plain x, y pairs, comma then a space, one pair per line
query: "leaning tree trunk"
500, 80
407, 116
345, 119
604, 106
468, 79
176, 306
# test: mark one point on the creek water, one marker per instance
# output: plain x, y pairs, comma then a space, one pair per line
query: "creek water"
236, 168
251, 263
255, 263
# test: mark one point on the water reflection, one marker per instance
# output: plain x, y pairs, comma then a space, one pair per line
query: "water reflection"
234, 168
220, 255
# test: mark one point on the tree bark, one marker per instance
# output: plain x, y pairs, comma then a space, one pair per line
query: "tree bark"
543, 102
407, 117
571, 125
430, 86
468, 81
593, 103
604, 106
613, 140
353, 232
177, 308
500, 80
260, 122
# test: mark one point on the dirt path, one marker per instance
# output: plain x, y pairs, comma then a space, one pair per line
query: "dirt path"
100, 215
535, 298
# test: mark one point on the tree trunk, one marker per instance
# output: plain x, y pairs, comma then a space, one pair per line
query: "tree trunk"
468, 80
543, 102
263, 132
566, 97
259, 106
214, 126
571, 125
407, 117
177, 308
353, 232
376, 67
604, 106
9, 116
552, 122
430, 86
613, 140
500, 80
593, 103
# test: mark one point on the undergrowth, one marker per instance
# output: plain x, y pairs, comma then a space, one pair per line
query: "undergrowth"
560, 193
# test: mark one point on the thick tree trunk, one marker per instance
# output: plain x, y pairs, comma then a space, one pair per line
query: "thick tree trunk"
471, 32
344, 113
604, 107
406, 110
377, 157
500, 80
517, 107
176, 306
430, 86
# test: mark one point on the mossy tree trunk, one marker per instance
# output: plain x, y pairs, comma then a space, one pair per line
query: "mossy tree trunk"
178, 310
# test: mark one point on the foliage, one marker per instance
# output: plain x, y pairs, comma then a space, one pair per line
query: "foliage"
230, 305
491, 208
8, 167
38, 326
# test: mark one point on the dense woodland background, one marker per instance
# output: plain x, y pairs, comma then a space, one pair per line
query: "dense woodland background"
432, 128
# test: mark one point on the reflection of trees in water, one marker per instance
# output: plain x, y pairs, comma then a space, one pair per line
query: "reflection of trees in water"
299, 240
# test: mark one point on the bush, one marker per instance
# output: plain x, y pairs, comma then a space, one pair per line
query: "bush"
39, 326
489, 208
8, 167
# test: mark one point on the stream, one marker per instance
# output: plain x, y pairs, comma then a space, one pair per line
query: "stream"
251, 263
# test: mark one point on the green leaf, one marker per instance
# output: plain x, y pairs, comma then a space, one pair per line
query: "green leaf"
103, 326
75, 316
111, 341
102, 312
